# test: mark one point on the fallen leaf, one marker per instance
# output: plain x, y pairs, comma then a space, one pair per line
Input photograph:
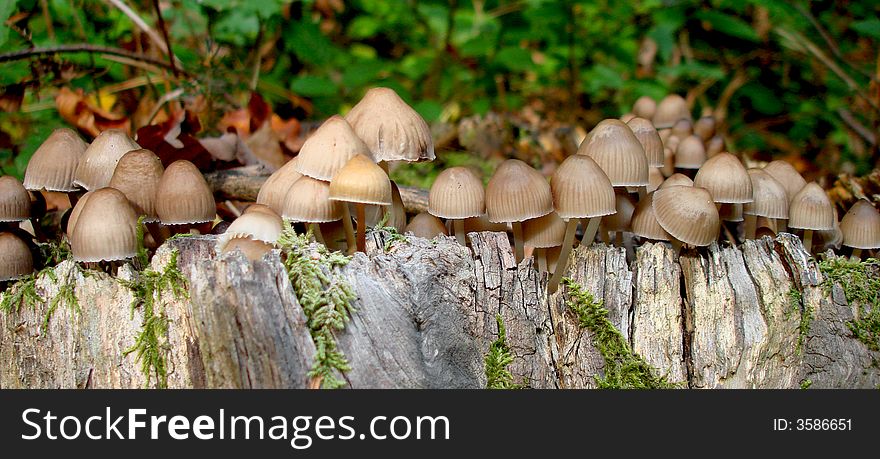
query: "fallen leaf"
264, 143
75, 108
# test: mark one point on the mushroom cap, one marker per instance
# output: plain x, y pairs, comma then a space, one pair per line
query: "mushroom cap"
544, 232
726, 179
581, 189
516, 193
15, 202
655, 178
252, 249
650, 140
644, 222
264, 226
670, 109
810, 209
53, 165
137, 176
457, 193
308, 200
426, 226
714, 146
618, 152
16, 260
682, 128
690, 154
731, 212
274, 189
329, 148
626, 117
621, 219
77, 209
861, 226
704, 128
688, 214
392, 130
677, 179
644, 107
787, 175
770, 199
106, 228
481, 223
361, 181
260, 208
183, 196
98, 162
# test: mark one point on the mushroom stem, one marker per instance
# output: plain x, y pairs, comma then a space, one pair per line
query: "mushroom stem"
728, 234
751, 222
590, 229
562, 262
316, 231
782, 225
541, 255
808, 240
519, 252
74, 196
676, 245
458, 228
618, 238
856, 255
643, 192
774, 225
349, 229
362, 227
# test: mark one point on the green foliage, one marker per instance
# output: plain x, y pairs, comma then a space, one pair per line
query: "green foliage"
623, 368
805, 311
325, 297
392, 236
22, 292
806, 384
498, 360
860, 281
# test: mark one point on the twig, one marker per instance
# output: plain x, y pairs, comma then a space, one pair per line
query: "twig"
739, 79
141, 24
50, 29
82, 48
856, 126
165, 37
167, 97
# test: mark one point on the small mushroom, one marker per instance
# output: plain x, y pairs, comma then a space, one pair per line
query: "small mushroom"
392, 130
670, 109
704, 128
650, 140
274, 189
457, 194
619, 153
137, 176
677, 180
770, 201
254, 233
543, 233
714, 146
644, 221
811, 210
682, 128
105, 228
183, 197
688, 214
16, 260
426, 226
15, 202
644, 107
53, 166
516, 193
362, 182
308, 201
690, 154
98, 162
726, 179
328, 149
861, 228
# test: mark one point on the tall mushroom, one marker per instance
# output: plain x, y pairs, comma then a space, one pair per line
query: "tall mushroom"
770, 201
98, 162
544, 233
361, 182
811, 210
516, 193
137, 176
183, 197
106, 228
308, 201
457, 194
15, 202
619, 153
392, 130
53, 165
688, 214
16, 260
861, 228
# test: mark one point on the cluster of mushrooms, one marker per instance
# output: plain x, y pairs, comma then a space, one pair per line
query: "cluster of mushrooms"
654, 173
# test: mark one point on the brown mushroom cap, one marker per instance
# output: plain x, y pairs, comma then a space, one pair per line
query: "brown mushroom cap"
480, 224
861, 226
106, 228
274, 190
618, 152
15, 257
260, 208
516, 193
544, 232
329, 148
677, 180
688, 214
77, 209
690, 154
811, 209
714, 146
683, 128
726, 179
98, 162
787, 175
183, 196
621, 219
644, 222
308, 200
457, 193
137, 176
361, 181
655, 179
644, 107
650, 140
392, 130
671, 109
252, 249
581, 189
426, 226
704, 128
770, 199
53, 165
15, 202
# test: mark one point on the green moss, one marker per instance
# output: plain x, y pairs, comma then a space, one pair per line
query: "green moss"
796, 302
623, 368
392, 235
497, 361
805, 384
151, 345
142, 259
860, 281
66, 294
325, 297
22, 292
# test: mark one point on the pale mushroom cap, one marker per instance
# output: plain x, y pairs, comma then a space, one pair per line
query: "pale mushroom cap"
260, 208
581, 189
482, 223
690, 154
671, 109
714, 146
106, 228
621, 219
861, 226
308, 200
327, 150
16, 260
726, 179
731, 212
787, 175
252, 249
704, 128
457, 193
644, 222
392, 130
627, 117
688, 214
77, 209
15, 202
274, 189
97, 164
644, 107
53, 165
361, 181
650, 140
183, 196
655, 179
544, 232
770, 199
263, 226
618, 152
677, 179
683, 128
516, 193
426, 226
137, 176
811, 209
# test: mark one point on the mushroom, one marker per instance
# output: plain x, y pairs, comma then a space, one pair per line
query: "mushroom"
457, 194
704, 128
361, 182
655, 179
328, 149
650, 140
183, 197
254, 233
619, 153
726, 179
516, 193
98, 162
274, 189
670, 109
392, 130
861, 228
15, 202
690, 154
682, 128
53, 166
426, 226
137, 176
688, 214
543, 233
16, 260
644, 107
786, 175
620, 221
714, 146
770, 201
677, 179
811, 210
308, 201
105, 228
644, 221
251, 248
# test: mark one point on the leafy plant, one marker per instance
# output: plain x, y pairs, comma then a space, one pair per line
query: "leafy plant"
498, 360
860, 281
